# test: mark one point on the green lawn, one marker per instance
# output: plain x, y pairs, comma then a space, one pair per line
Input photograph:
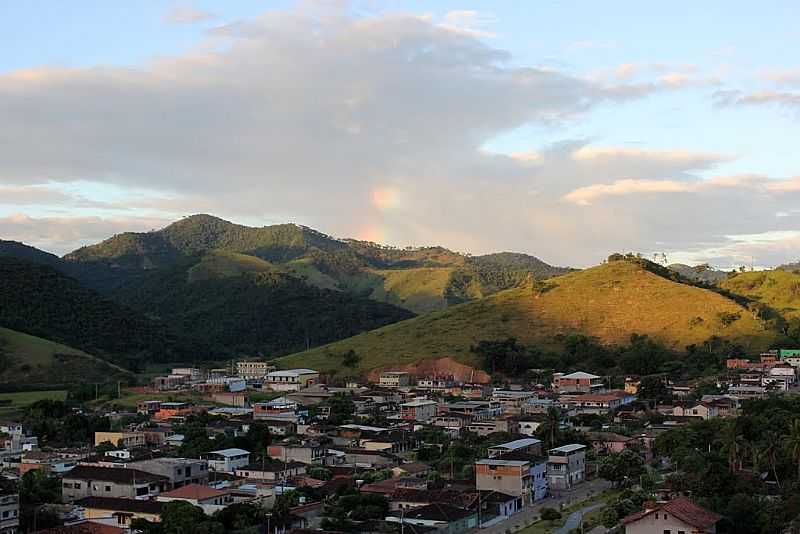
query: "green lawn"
20, 400
590, 520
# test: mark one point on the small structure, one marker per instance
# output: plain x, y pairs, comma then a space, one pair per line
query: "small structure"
566, 466
677, 515
227, 460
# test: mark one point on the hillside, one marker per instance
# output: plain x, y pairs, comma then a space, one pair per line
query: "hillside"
778, 289
608, 302
418, 279
32, 360
242, 304
41, 301
698, 273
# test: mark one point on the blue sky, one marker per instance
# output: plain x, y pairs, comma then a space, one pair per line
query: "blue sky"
692, 106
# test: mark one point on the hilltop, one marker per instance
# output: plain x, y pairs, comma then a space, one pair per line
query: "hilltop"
417, 279
608, 303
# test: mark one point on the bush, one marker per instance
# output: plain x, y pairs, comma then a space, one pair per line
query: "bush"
550, 514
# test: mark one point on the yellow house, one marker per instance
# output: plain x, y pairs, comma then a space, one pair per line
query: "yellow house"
122, 510
121, 439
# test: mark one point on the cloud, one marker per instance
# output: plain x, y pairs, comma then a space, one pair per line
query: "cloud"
63, 234
187, 15
468, 22
362, 127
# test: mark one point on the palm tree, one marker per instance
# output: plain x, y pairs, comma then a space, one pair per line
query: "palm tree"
791, 441
734, 442
552, 423
771, 451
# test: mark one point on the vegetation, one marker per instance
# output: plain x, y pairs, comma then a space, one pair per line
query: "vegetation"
605, 305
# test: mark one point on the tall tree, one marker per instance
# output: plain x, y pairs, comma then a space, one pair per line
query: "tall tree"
791, 441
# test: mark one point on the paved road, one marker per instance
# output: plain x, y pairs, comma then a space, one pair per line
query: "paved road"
574, 519
519, 521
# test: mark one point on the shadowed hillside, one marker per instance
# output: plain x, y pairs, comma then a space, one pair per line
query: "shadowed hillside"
608, 302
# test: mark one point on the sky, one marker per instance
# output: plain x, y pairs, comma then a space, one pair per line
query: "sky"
566, 130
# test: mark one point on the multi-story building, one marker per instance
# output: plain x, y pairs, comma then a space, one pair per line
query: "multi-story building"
148, 407
476, 410
253, 370
492, 426
394, 379
524, 445
9, 507
292, 379
179, 471
596, 403
276, 409
192, 374
172, 409
308, 452
512, 477
421, 410
512, 401
125, 440
227, 460
566, 466
436, 383
578, 382
89, 481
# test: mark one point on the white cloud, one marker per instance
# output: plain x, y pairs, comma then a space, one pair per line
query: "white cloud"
187, 15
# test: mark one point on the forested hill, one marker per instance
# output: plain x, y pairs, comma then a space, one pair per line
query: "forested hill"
41, 301
418, 279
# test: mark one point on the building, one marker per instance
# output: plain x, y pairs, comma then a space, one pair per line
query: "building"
9, 507
271, 471
253, 370
677, 516
125, 440
308, 452
236, 399
609, 442
503, 424
281, 408
632, 384
88, 481
148, 407
445, 518
436, 383
703, 410
394, 379
167, 410
476, 410
512, 401
47, 462
169, 382
512, 477
578, 382
192, 374
566, 466
120, 511
178, 471
526, 445
227, 460
421, 410
596, 403
209, 499
291, 379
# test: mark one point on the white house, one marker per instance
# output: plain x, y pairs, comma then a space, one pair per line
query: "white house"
292, 379
227, 460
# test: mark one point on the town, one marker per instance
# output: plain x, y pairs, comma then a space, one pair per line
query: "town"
248, 446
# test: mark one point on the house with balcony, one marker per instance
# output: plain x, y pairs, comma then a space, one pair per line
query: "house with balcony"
566, 466
578, 382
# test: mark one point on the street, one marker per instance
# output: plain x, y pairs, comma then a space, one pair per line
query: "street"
526, 516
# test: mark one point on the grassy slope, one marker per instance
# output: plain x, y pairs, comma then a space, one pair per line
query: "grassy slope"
420, 290
609, 302
219, 264
37, 360
20, 400
778, 289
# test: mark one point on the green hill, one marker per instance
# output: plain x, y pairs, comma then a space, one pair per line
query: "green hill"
608, 303
29, 359
778, 289
41, 301
418, 279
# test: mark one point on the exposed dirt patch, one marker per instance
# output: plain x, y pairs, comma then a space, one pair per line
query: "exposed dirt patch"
439, 366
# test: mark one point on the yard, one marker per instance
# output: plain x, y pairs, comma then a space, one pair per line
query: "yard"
20, 400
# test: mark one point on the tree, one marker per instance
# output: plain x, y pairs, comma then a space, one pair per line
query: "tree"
792, 442
181, 517
653, 388
550, 514
622, 467
550, 429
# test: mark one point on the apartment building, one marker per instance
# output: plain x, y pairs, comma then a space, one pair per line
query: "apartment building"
566, 466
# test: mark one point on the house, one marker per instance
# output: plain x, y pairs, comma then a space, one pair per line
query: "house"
126, 440
578, 382
209, 499
179, 471
89, 481
527, 445
703, 410
476, 410
9, 506
512, 401
148, 407
566, 466
370, 459
122, 511
439, 383
307, 452
253, 370
421, 410
236, 399
444, 518
281, 408
453, 422
404, 498
192, 374
271, 471
528, 425
503, 424
494, 504
281, 428
47, 462
412, 469
596, 403
227, 460
512, 477
167, 410
394, 379
609, 442
632, 384
169, 382
678, 516
291, 379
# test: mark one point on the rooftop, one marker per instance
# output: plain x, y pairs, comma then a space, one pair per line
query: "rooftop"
194, 492
123, 505
580, 375
517, 444
230, 452
112, 474
492, 461
682, 508
572, 447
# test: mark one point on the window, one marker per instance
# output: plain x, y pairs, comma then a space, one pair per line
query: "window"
108, 488
68, 485
77, 485
667, 531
